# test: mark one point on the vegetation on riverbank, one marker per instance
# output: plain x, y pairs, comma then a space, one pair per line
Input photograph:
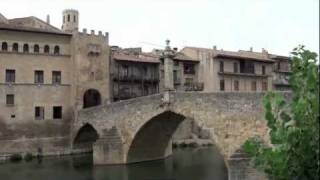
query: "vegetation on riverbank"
294, 125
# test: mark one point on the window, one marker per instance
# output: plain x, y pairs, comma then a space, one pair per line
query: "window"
264, 86
236, 85
10, 99
188, 68
175, 76
253, 86
4, 46
235, 67
125, 71
221, 85
56, 77
36, 48
46, 49
10, 75
39, 113
221, 66
57, 112
68, 17
279, 66
263, 70
145, 71
176, 63
247, 67
56, 50
15, 47
64, 17
38, 77
25, 48
74, 19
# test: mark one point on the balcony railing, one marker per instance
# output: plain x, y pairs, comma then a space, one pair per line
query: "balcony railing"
135, 78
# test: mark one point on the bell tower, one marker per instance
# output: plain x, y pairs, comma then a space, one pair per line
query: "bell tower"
70, 21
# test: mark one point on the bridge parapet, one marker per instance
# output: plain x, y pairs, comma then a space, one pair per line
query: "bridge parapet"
146, 124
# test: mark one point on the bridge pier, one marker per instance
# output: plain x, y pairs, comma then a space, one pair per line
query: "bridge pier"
108, 149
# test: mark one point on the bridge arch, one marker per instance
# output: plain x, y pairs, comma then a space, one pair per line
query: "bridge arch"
153, 139
91, 97
84, 138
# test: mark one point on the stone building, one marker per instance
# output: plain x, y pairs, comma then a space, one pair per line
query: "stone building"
245, 71
133, 73
47, 74
281, 73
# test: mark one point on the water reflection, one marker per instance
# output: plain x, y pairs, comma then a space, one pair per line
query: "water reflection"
185, 164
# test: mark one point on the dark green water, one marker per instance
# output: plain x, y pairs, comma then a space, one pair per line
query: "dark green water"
184, 164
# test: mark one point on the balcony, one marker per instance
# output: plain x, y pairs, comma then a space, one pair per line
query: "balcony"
244, 74
136, 78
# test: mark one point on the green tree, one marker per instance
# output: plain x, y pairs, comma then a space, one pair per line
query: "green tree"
293, 123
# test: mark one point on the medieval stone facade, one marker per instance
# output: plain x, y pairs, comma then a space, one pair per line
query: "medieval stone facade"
49, 74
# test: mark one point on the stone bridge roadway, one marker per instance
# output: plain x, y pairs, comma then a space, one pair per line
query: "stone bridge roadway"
141, 129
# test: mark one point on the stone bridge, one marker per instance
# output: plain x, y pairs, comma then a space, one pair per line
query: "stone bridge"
141, 129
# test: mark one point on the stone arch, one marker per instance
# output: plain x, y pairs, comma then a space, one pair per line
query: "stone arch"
84, 138
36, 48
15, 47
4, 46
153, 138
91, 97
46, 49
25, 48
56, 50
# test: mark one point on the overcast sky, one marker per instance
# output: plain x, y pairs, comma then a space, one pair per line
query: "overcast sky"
276, 25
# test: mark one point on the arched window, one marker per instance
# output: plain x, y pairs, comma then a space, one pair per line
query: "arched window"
4, 46
74, 18
15, 47
25, 48
46, 49
68, 17
36, 48
56, 50
91, 98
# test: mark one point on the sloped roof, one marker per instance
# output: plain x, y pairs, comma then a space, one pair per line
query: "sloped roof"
246, 55
30, 24
132, 58
183, 57
279, 57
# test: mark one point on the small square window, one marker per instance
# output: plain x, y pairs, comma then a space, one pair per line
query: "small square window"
38, 77
10, 99
39, 113
221, 85
56, 77
57, 112
10, 75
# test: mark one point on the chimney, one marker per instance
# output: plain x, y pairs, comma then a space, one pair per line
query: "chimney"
264, 51
251, 49
214, 47
48, 19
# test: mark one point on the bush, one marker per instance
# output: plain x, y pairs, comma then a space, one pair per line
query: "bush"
28, 157
15, 157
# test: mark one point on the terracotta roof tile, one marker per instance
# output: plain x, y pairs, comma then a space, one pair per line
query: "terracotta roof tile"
132, 58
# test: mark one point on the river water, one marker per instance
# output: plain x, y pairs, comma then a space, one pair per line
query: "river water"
185, 164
